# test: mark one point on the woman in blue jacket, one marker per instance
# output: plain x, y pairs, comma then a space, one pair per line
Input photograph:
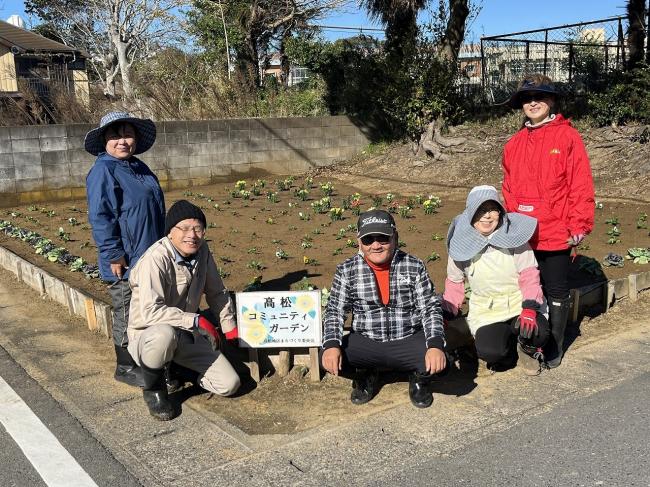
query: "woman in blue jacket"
126, 210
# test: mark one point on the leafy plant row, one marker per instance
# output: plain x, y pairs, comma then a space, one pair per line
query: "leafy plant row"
45, 247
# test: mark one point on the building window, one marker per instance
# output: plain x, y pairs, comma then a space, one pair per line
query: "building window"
298, 75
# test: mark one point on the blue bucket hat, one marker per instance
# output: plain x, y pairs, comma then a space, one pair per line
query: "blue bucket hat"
464, 241
146, 132
529, 86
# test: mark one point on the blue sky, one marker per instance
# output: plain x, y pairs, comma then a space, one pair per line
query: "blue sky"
496, 16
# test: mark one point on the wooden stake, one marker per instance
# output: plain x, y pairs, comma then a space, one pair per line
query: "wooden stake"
314, 365
284, 363
632, 288
254, 364
91, 319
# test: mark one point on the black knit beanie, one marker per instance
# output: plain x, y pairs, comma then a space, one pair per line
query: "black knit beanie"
182, 210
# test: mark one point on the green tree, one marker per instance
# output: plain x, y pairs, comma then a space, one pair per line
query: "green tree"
253, 29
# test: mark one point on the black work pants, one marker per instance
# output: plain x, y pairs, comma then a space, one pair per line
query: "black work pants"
405, 355
554, 272
495, 343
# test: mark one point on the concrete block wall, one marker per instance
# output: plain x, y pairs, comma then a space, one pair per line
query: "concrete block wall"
41, 163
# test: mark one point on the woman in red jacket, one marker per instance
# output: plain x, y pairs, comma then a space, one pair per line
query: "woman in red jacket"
546, 175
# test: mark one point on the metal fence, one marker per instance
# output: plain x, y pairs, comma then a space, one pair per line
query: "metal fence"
570, 54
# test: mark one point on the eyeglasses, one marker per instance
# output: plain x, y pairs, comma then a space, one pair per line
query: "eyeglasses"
530, 97
369, 239
198, 229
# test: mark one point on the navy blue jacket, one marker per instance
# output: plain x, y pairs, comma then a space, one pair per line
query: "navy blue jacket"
126, 209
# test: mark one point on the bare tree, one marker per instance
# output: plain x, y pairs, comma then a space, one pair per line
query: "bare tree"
115, 33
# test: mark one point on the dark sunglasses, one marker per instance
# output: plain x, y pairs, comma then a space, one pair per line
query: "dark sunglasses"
528, 97
369, 239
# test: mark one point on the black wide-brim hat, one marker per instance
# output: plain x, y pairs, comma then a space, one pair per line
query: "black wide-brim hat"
146, 132
529, 87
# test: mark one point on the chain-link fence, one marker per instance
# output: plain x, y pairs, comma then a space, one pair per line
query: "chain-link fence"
571, 55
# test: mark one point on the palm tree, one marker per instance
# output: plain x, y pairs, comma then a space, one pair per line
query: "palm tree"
400, 19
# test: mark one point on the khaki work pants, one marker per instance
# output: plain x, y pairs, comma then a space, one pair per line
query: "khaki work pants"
160, 344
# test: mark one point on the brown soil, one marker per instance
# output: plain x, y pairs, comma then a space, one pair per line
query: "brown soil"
241, 234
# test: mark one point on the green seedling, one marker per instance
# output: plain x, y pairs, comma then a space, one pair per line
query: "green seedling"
638, 255
404, 211
433, 256
255, 264
302, 193
63, 235
327, 188
254, 285
336, 214
281, 254
77, 264
252, 250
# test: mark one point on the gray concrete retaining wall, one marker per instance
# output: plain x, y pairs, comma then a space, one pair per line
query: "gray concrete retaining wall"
41, 163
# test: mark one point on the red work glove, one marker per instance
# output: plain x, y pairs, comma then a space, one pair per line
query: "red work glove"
528, 323
232, 334
208, 330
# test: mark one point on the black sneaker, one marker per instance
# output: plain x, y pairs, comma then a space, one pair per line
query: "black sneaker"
364, 387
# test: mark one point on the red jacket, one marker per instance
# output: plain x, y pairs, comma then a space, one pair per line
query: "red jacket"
546, 175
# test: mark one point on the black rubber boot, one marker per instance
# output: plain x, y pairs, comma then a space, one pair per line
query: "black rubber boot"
419, 392
364, 386
177, 376
127, 371
558, 315
155, 394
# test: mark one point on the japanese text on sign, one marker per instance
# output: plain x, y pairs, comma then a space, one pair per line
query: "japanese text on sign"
279, 319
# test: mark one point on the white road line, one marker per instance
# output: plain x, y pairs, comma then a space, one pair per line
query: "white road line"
53, 463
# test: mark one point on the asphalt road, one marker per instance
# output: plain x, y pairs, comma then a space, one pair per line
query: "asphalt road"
600, 440
15, 467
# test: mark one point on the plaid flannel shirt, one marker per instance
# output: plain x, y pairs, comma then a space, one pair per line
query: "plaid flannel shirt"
412, 304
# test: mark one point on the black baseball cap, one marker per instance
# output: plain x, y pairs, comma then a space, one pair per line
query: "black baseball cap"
375, 221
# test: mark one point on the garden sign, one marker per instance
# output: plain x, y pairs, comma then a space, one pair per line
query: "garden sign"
280, 319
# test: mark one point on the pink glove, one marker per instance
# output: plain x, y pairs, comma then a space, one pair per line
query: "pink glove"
527, 323
208, 330
576, 239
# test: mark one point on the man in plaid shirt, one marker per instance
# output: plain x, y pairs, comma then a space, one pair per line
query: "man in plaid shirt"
396, 316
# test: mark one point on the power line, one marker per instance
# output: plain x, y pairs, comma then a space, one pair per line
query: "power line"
343, 27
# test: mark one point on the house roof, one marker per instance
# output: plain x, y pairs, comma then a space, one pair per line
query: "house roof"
28, 41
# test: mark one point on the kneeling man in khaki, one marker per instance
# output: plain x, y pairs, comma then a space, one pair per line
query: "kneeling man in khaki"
164, 325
